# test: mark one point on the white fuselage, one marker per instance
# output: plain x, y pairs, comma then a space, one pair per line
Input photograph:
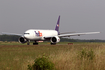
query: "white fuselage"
38, 34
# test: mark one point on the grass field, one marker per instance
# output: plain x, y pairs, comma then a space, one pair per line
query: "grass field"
14, 56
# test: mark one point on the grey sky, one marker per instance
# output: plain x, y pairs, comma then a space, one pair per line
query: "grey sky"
17, 16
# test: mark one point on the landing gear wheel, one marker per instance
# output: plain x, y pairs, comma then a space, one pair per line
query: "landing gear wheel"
35, 43
53, 43
28, 43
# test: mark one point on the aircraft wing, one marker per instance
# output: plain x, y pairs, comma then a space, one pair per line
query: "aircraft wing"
66, 32
11, 33
76, 34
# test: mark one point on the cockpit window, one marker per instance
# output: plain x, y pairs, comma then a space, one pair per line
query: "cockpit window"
26, 33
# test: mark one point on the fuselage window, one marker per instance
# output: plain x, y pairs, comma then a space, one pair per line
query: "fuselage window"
26, 33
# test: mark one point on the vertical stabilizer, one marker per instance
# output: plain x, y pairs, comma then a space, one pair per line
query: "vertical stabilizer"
57, 25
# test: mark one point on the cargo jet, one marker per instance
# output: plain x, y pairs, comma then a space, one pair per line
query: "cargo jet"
45, 35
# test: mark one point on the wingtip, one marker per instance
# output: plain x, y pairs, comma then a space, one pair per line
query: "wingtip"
99, 32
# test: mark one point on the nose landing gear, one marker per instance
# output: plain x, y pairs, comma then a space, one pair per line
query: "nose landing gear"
28, 43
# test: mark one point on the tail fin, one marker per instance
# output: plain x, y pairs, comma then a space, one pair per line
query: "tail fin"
57, 25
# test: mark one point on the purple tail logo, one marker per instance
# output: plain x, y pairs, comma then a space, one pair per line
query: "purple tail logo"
57, 25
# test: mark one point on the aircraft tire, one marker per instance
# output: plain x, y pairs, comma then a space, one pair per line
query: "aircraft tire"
28, 43
53, 43
35, 43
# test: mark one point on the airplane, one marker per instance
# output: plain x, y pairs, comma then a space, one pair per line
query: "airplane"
45, 35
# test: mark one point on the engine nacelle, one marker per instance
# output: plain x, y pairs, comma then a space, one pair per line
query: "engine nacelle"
22, 40
55, 39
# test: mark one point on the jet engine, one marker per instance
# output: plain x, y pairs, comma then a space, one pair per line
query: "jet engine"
22, 40
55, 39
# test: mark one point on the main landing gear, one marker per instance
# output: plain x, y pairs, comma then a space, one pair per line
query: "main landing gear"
53, 43
36, 43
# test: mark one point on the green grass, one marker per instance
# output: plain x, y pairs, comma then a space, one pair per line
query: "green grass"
14, 56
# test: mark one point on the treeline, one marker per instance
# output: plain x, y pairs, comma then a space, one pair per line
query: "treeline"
79, 40
15, 38
9, 38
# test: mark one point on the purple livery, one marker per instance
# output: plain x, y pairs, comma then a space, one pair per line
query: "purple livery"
57, 25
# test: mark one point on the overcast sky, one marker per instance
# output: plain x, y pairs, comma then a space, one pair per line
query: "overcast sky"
16, 16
